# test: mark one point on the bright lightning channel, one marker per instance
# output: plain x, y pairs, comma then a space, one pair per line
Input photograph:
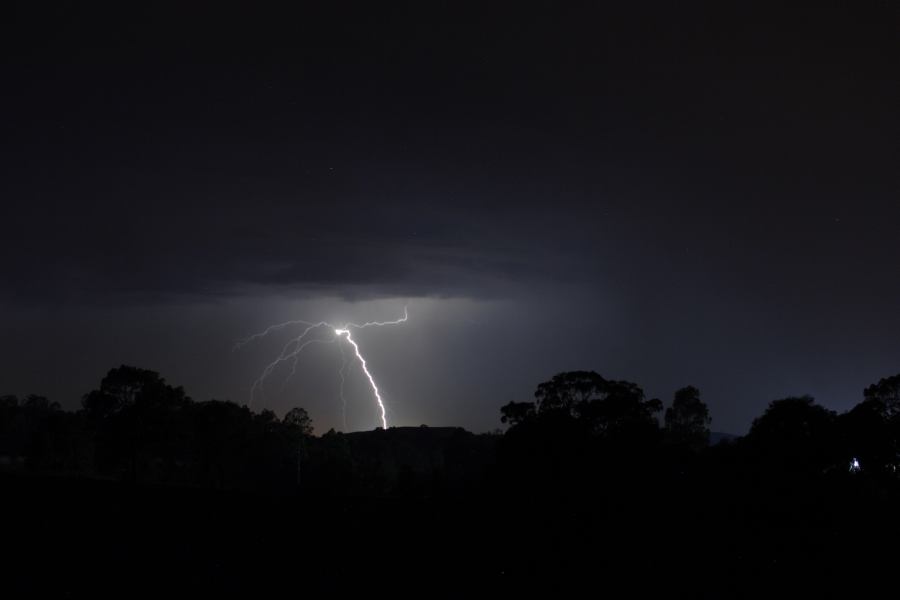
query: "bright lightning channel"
290, 353
341, 389
362, 362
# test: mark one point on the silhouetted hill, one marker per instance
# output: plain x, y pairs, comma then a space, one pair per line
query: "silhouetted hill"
720, 436
400, 460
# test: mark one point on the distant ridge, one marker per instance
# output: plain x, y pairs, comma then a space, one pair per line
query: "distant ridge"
716, 437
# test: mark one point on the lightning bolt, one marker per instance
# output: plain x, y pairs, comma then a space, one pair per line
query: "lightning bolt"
343, 399
243, 342
402, 319
290, 353
362, 362
287, 354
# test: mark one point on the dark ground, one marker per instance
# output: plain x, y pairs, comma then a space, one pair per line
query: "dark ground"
145, 492
82, 537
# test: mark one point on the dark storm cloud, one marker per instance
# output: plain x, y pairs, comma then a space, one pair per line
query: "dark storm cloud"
339, 161
219, 245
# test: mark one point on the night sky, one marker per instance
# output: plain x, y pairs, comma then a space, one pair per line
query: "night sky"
667, 193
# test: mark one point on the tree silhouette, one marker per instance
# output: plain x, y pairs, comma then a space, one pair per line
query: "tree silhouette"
514, 413
298, 421
687, 420
298, 418
886, 393
127, 386
597, 406
36, 403
796, 434
567, 392
618, 410
137, 416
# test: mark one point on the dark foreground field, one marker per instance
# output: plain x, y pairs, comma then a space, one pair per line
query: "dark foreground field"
145, 492
81, 537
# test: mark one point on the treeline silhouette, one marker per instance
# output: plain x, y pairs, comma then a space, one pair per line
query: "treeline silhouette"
136, 427
590, 481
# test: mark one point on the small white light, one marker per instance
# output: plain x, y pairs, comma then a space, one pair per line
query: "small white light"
854, 465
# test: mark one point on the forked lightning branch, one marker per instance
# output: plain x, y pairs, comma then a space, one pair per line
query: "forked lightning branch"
290, 354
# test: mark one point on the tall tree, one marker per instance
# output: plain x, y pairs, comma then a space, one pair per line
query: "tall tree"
299, 419
127, 386
796, 434
687, 420
568, 391
604, 407
886, 393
